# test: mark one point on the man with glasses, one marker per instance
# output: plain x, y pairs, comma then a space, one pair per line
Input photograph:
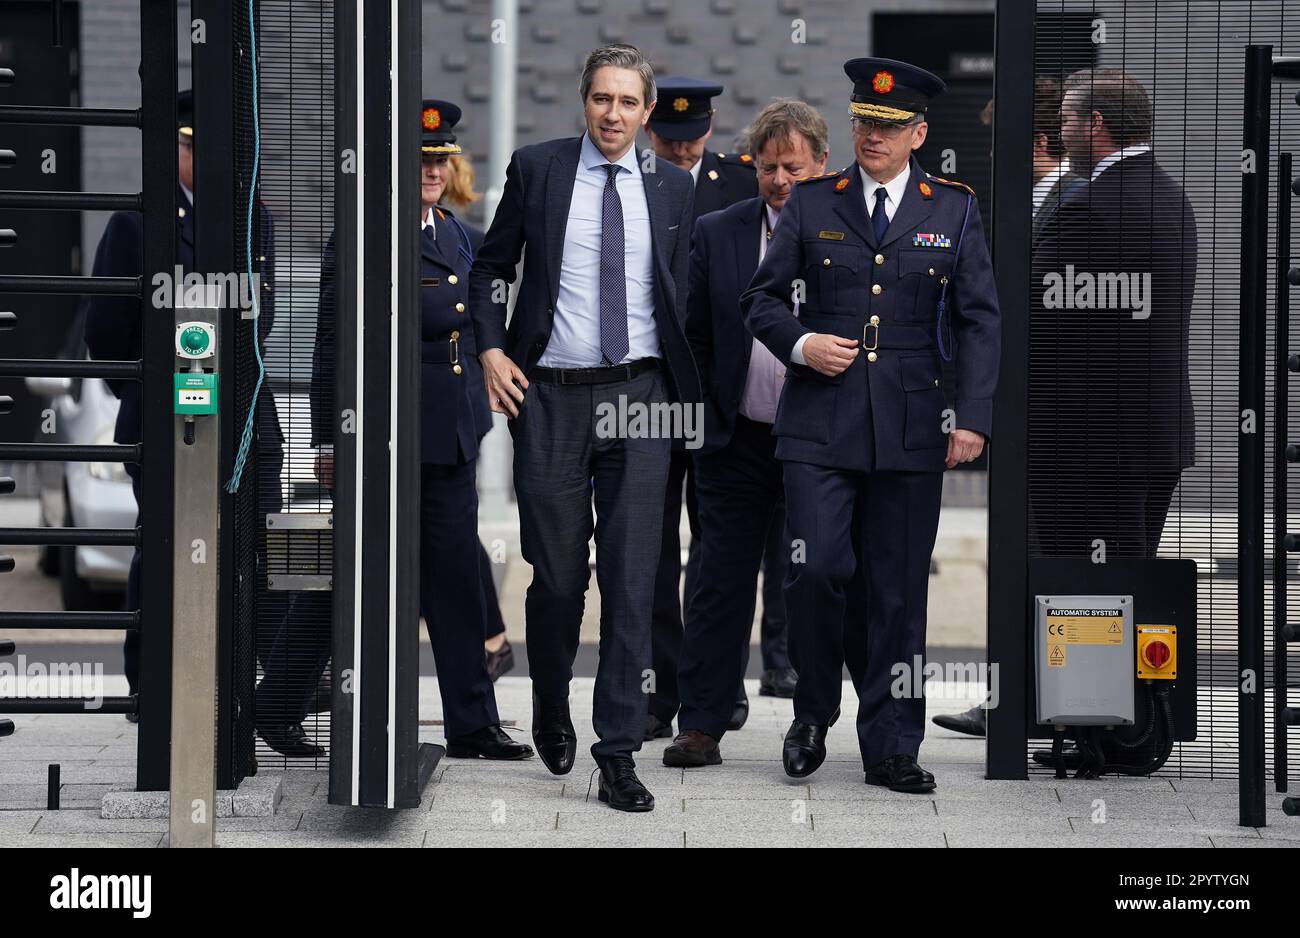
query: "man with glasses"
890, 271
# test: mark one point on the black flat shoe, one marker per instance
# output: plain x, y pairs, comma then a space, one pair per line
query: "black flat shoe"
290, 739
553, 734
620, 788
656, 728
970, 722
804, 749
901, 773
778, 682
490, 742
740, 714
501, 661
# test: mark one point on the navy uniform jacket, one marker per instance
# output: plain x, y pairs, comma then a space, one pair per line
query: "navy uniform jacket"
736, 180
534, 210
887, 414
454, 413
724, 256
1119, 393
113, 323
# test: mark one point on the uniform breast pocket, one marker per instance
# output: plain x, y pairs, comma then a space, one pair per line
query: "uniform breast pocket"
922, 273
920, 376
834, 275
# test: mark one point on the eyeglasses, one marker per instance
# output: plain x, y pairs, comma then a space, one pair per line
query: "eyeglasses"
867, 126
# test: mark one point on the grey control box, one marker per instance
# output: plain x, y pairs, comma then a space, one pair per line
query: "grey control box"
1084, 649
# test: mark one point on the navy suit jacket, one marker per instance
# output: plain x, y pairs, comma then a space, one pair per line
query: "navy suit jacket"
454, 413
113, 323
534, 213
1122, 380
889, 414
724, 256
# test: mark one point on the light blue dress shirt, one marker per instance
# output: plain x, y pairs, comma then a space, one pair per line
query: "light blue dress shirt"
575, 333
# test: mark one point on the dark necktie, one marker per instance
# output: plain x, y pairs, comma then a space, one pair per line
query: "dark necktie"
613, 279
879, 220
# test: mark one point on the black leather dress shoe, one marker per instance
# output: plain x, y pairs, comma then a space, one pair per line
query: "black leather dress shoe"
777, 682
692, 749
804, 749
740, 714
553, 734
490, 742
619, 786
501, 661
1072, 757
656, 728
901, 773
970, 722
289, 739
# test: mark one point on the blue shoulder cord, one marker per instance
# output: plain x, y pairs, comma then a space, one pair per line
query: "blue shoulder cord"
945, 353
246, 438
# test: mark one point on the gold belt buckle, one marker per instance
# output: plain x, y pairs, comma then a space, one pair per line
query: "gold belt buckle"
454, 345
873, 323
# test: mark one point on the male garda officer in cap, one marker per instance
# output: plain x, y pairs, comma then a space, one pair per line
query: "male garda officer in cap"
679, 127
892, 276
454, 416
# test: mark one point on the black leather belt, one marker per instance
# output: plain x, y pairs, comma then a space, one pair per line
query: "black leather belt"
595, 375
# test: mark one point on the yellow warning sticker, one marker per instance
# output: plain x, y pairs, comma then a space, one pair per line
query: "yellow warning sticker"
1055, 655
1085, 626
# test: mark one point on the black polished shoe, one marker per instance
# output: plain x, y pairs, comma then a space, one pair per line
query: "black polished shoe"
501, 661
901, 773
490, 742
804, 749
740, 714
692, 749
620, 788
553, 734
656, 728
970, 722
777, 682
289, 739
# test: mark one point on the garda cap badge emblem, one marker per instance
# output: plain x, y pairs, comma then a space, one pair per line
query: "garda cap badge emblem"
883, 83
926, 190
432, 118
680, 104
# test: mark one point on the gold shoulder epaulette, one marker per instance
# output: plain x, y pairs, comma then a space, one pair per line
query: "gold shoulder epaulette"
954, 183
815, 178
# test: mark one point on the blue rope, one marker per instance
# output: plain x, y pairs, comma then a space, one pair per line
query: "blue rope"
246, 438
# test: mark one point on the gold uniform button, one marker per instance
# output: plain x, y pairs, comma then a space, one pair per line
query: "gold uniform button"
875, 320
871, 356
877, 289
827, 262
931, 271
880, 258
936, 382
455, 335
453, 280
456, 369
460, 307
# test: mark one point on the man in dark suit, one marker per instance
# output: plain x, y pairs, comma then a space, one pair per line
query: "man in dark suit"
454, 417
738, 476
598, 326
891, 272
1119, 397
113, 332
678, 130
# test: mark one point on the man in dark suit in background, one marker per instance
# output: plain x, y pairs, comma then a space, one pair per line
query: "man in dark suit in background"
738, 476
598, 326
1113, 428
678, 130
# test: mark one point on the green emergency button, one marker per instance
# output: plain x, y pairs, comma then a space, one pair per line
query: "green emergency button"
194, 341
196, 393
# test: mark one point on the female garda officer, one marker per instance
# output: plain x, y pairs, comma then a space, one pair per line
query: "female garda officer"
454, 416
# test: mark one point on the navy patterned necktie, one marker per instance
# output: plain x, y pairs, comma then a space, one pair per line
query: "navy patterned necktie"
879, 220
613, 279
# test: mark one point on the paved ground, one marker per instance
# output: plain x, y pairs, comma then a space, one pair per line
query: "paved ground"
747, 801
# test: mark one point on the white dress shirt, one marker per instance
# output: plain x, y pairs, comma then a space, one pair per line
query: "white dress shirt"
1107, 162
575, 335
1044, 185
428, 223
695, 171
894, 190
766, 374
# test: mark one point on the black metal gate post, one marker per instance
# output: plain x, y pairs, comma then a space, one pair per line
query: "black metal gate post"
1008, 556
1281, 457
1251, 450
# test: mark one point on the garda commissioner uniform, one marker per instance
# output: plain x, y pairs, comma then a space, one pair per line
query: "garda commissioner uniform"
864, 451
